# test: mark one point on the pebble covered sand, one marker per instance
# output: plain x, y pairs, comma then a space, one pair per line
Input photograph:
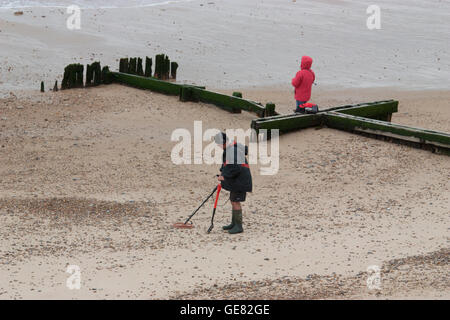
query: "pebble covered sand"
87, 180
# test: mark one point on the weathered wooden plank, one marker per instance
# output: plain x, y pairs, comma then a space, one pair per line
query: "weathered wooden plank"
153, 84
190, 93
380, 110
296, 122
231, 103
386, 129
376, 108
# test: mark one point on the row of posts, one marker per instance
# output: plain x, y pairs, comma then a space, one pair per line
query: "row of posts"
74, 76
164, 68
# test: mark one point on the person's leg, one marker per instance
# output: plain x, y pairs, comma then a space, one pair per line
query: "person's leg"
236, 199
234, 206
298, 109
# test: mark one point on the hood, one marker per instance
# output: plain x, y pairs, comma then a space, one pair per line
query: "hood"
306, 63
235, 153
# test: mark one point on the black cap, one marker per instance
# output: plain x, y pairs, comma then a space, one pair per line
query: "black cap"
221, 138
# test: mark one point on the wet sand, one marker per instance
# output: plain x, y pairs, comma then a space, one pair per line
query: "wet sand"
239, 44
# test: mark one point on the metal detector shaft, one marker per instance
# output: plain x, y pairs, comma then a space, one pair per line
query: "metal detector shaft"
219, 187
201, 205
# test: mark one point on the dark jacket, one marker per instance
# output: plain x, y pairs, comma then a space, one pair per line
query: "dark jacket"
235, 169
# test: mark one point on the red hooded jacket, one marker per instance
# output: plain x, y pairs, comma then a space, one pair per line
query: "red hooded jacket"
303, 80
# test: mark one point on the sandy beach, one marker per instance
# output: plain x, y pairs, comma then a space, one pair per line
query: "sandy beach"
87, 179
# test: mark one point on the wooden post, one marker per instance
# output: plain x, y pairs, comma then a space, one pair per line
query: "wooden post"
73, 76
173, 70
148, 67
389, 117
139, 70
89, 75
166, 67
132, 67
79, 76
97, 71
123, 65
158, 66
187, 94
270, 109
65, 78
106, 75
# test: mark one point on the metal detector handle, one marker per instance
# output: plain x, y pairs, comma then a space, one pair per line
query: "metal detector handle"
189, 218
219, 187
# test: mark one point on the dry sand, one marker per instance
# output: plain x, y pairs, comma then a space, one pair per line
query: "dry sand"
86, 177
87, 180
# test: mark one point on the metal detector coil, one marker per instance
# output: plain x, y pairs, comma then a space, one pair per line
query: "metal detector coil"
185, 225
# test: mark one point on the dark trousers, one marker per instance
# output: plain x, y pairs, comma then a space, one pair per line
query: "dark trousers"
298, 109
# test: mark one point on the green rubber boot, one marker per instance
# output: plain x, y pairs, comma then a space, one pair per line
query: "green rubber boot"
237, 228
231, 225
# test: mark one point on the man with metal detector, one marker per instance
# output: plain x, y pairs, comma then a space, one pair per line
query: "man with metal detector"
235, 177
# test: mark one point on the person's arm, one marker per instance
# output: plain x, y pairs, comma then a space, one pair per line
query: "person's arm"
297, 80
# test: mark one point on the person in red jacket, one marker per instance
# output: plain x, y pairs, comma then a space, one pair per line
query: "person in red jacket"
303, 82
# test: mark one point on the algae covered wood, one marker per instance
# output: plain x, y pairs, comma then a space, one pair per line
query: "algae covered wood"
292, 123
187, 94
148, 67
381, 128
95, 74
166, 68
270, 109
89, 75
132, 66
159, 68
173, 70
377, 109
139, 68
73, 76
107, 77
123, 65
79, 76
380, 110
190, 93
229, 102
147, 83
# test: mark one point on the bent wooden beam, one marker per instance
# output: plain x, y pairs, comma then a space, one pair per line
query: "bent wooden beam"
191, 93
433, 140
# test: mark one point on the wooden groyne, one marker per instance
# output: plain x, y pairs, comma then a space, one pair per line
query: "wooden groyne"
372, 119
